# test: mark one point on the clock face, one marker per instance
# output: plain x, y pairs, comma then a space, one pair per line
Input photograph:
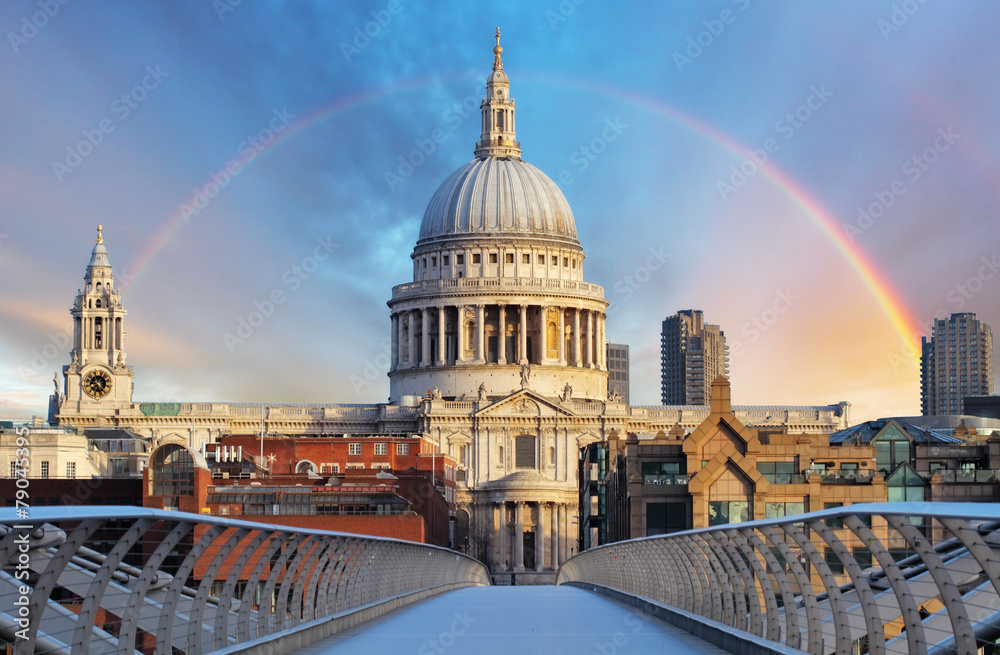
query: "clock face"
97, 384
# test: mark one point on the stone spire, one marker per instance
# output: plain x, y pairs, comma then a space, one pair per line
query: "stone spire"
498, 138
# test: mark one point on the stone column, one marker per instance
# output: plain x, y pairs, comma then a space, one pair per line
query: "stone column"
577, 357
590, 338
480, 333
496, 522
502, 341
543, 331
442, 351
425, 337
522, 339
554, 532
601, 347
519, 536
460, 333
394, 363
564, 534
411, 356
540, 538
562, 335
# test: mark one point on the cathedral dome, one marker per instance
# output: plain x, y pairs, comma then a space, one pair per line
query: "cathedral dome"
498, 196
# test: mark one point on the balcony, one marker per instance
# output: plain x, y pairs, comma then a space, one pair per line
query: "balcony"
471, 285
665, 479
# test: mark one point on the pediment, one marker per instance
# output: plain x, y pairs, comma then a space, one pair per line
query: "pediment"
459, 438
892, 431
523, 404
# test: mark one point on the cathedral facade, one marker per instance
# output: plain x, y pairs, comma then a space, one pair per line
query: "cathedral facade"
498, 358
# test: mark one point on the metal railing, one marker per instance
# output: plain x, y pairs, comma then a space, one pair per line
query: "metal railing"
133, 580
868, 578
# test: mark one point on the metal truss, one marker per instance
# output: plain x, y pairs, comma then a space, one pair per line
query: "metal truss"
867, 578
130, 580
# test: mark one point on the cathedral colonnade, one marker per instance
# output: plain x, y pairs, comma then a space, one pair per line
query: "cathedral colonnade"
470, 334
529, 535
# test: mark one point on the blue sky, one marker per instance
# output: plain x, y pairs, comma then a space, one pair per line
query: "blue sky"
844, 96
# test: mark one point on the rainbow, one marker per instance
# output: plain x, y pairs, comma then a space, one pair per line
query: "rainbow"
891, 302
888, 298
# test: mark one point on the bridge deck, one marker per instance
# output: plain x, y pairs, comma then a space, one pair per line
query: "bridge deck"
503, 620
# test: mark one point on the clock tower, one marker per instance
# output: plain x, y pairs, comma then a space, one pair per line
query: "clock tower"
97, 382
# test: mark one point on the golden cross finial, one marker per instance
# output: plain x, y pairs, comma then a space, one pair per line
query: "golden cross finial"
497, 49
100, 238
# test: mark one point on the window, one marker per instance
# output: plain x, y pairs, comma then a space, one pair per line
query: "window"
777, 472
891, 450
402, 449
661, 472
434, 261
14, 470
863, 557
172, 471
662, 518
509, 258
380, 449
836, 523
71, 470
425, 262
460, 260
525, 258
524, 452
904, 486
354, 449
721, 512
778, 510
476, 258
541, 259
45, 470
565, 262
493, 258
833, 561
444, 260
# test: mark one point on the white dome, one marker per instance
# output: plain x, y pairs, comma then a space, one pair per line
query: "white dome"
498, 196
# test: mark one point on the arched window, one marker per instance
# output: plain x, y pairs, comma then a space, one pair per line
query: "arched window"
524, 452
552, 339
172, 471
305, 466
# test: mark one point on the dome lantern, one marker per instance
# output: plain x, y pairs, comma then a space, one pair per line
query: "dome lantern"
498, 138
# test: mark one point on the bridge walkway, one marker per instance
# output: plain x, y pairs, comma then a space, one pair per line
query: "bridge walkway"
523, 620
